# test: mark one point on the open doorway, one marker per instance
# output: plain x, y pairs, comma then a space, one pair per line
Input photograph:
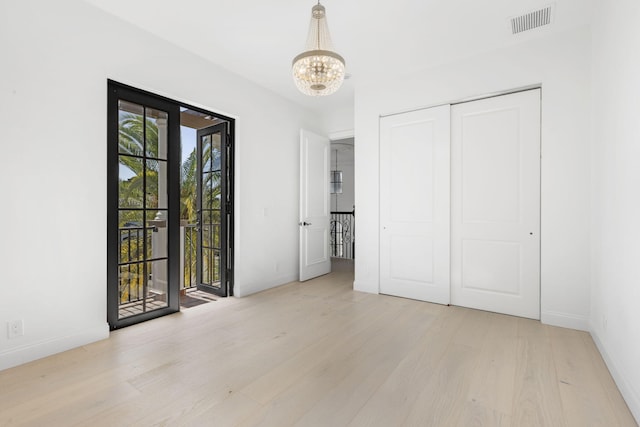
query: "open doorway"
169, 206
342, 229
327, 234
205, 183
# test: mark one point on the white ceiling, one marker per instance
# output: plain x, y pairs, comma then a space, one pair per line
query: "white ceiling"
257, 39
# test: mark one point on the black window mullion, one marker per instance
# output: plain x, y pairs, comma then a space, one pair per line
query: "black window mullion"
224, 203
145, 273
125, 271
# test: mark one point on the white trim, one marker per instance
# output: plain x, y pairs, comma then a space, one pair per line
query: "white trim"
629, 394
357, 286
471, 98
253, 288
565, 320
344, 134
177, 99
27, 353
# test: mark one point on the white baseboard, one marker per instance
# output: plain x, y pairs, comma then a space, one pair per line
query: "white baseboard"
630, 395
248, 289
565, 320
361, 287
37, 350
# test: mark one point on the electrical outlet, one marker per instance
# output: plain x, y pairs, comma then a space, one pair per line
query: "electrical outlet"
15, 328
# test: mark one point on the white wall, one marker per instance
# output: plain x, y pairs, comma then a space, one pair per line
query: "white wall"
56, 58
339, 121
561, 64
615, 297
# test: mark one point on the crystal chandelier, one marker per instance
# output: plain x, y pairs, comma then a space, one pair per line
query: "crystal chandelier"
318, 71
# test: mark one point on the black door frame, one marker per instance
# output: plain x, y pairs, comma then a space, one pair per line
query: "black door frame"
118, 91
224, 208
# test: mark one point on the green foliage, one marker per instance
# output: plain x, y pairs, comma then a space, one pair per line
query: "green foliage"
188, 178
132, 148
131, 142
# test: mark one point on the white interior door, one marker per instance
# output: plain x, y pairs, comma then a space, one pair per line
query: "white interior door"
315, 211
495, 204
414, 204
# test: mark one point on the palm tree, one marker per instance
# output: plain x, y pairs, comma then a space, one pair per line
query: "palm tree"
131, 143
133, 130
188, 210
188, 186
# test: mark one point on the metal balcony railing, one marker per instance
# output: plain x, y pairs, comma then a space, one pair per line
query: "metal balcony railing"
130, 247
342, 234
189, 248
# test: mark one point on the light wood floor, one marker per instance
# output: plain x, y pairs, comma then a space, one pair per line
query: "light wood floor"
319, 354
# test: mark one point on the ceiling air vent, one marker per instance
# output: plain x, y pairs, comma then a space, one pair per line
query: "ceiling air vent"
531, 20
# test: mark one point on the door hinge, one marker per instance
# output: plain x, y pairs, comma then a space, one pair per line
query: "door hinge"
227, 207
228, 140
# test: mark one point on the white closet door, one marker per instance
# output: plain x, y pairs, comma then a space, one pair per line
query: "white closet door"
414, 205
495, 204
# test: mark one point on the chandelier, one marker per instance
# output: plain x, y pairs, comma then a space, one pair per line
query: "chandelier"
318, 71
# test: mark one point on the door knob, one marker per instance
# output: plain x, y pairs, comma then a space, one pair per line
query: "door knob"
304, 224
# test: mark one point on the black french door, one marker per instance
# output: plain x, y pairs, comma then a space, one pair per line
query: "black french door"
213, 209
143, 225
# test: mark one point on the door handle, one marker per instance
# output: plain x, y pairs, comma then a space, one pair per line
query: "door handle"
304, 224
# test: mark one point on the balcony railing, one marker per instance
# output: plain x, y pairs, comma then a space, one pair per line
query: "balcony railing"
139, 281
343, 234
188, 248
131, 247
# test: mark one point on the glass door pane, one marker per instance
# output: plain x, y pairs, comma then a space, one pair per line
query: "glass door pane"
211, 209
142, 209
142, 215
160, 240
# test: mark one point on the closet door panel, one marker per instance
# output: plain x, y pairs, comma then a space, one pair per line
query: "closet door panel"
414, 204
